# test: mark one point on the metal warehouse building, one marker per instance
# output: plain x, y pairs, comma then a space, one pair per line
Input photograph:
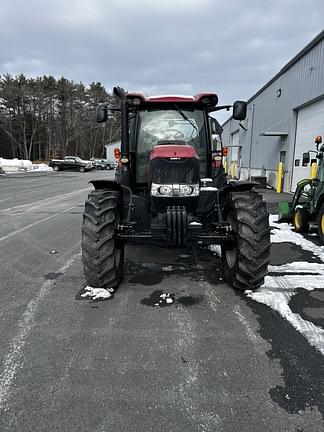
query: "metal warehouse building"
283, 119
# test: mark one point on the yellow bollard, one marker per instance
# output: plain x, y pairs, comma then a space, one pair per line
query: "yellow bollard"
225, 165
280, 176
313, 171
233, 169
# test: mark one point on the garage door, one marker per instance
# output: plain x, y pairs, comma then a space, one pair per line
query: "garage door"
310, 123
234, 147
234, 168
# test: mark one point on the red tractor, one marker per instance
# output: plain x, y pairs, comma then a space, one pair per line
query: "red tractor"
170, 188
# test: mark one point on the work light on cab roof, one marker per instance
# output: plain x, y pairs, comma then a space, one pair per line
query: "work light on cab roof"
138, 98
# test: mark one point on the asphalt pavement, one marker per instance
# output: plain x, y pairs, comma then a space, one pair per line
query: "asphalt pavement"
213, 360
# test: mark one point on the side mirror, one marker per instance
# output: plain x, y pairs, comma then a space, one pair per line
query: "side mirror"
239, 110
101, 113
306, 159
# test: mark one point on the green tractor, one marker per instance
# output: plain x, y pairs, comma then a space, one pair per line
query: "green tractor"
306, 209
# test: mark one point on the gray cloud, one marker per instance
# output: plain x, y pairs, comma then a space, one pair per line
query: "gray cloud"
181, 46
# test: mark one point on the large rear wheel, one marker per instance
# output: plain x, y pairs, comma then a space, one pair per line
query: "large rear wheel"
102, 251
320, 223
246, 262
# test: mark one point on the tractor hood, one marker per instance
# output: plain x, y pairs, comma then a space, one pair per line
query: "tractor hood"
173, 152
174, 164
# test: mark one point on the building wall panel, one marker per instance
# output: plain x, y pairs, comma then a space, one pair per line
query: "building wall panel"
299, 85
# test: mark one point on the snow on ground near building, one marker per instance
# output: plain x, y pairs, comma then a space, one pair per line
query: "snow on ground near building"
277, 290
22, 166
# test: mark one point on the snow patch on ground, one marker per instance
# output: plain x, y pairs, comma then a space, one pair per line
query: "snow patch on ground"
165, 298
216, 249
169, 268
283, 232
41, 168
97, 293
277, 290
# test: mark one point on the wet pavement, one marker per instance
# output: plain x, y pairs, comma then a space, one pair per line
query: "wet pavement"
212, 360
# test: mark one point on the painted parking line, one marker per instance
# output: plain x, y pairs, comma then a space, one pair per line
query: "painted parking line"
24, 206
14, 359
18, 231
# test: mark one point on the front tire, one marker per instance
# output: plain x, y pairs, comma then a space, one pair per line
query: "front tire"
102, 252
320, 223
301, 220
246, 262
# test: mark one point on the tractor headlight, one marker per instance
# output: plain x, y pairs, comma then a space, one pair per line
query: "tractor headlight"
189, 190
185, 190
174, 190
165, 190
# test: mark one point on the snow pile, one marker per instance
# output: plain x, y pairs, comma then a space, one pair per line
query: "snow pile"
15, 165
41, 168
284, 233
97, 293
20, 165
278, 289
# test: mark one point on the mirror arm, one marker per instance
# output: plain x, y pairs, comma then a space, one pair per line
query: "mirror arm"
221, 107
243, 127
113, 108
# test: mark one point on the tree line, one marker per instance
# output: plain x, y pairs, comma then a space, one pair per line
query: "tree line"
45, 117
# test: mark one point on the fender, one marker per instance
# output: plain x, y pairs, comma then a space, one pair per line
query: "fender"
238, 186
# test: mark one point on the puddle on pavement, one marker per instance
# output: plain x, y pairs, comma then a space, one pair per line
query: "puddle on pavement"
205, 267
190, 300
155, 300
53, 275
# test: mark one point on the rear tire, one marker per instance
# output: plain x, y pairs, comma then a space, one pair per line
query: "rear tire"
82, 169
301, 220
102, 252
320, 222
246, 262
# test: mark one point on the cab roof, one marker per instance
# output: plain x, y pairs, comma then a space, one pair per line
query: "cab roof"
204, 98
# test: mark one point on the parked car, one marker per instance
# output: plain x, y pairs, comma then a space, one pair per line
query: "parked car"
71, 163
104, 164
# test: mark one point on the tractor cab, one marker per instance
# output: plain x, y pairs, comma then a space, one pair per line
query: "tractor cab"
172, 132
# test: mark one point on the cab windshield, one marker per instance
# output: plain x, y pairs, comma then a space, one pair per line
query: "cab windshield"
181, 126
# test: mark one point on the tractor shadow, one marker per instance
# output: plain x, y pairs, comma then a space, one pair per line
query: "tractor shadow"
156, 264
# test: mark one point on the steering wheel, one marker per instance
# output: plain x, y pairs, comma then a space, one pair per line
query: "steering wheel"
177, 134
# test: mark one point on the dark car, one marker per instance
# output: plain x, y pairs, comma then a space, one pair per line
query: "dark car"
104, 164
71, 163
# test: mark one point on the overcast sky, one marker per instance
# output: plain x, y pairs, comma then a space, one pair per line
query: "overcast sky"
158, 46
